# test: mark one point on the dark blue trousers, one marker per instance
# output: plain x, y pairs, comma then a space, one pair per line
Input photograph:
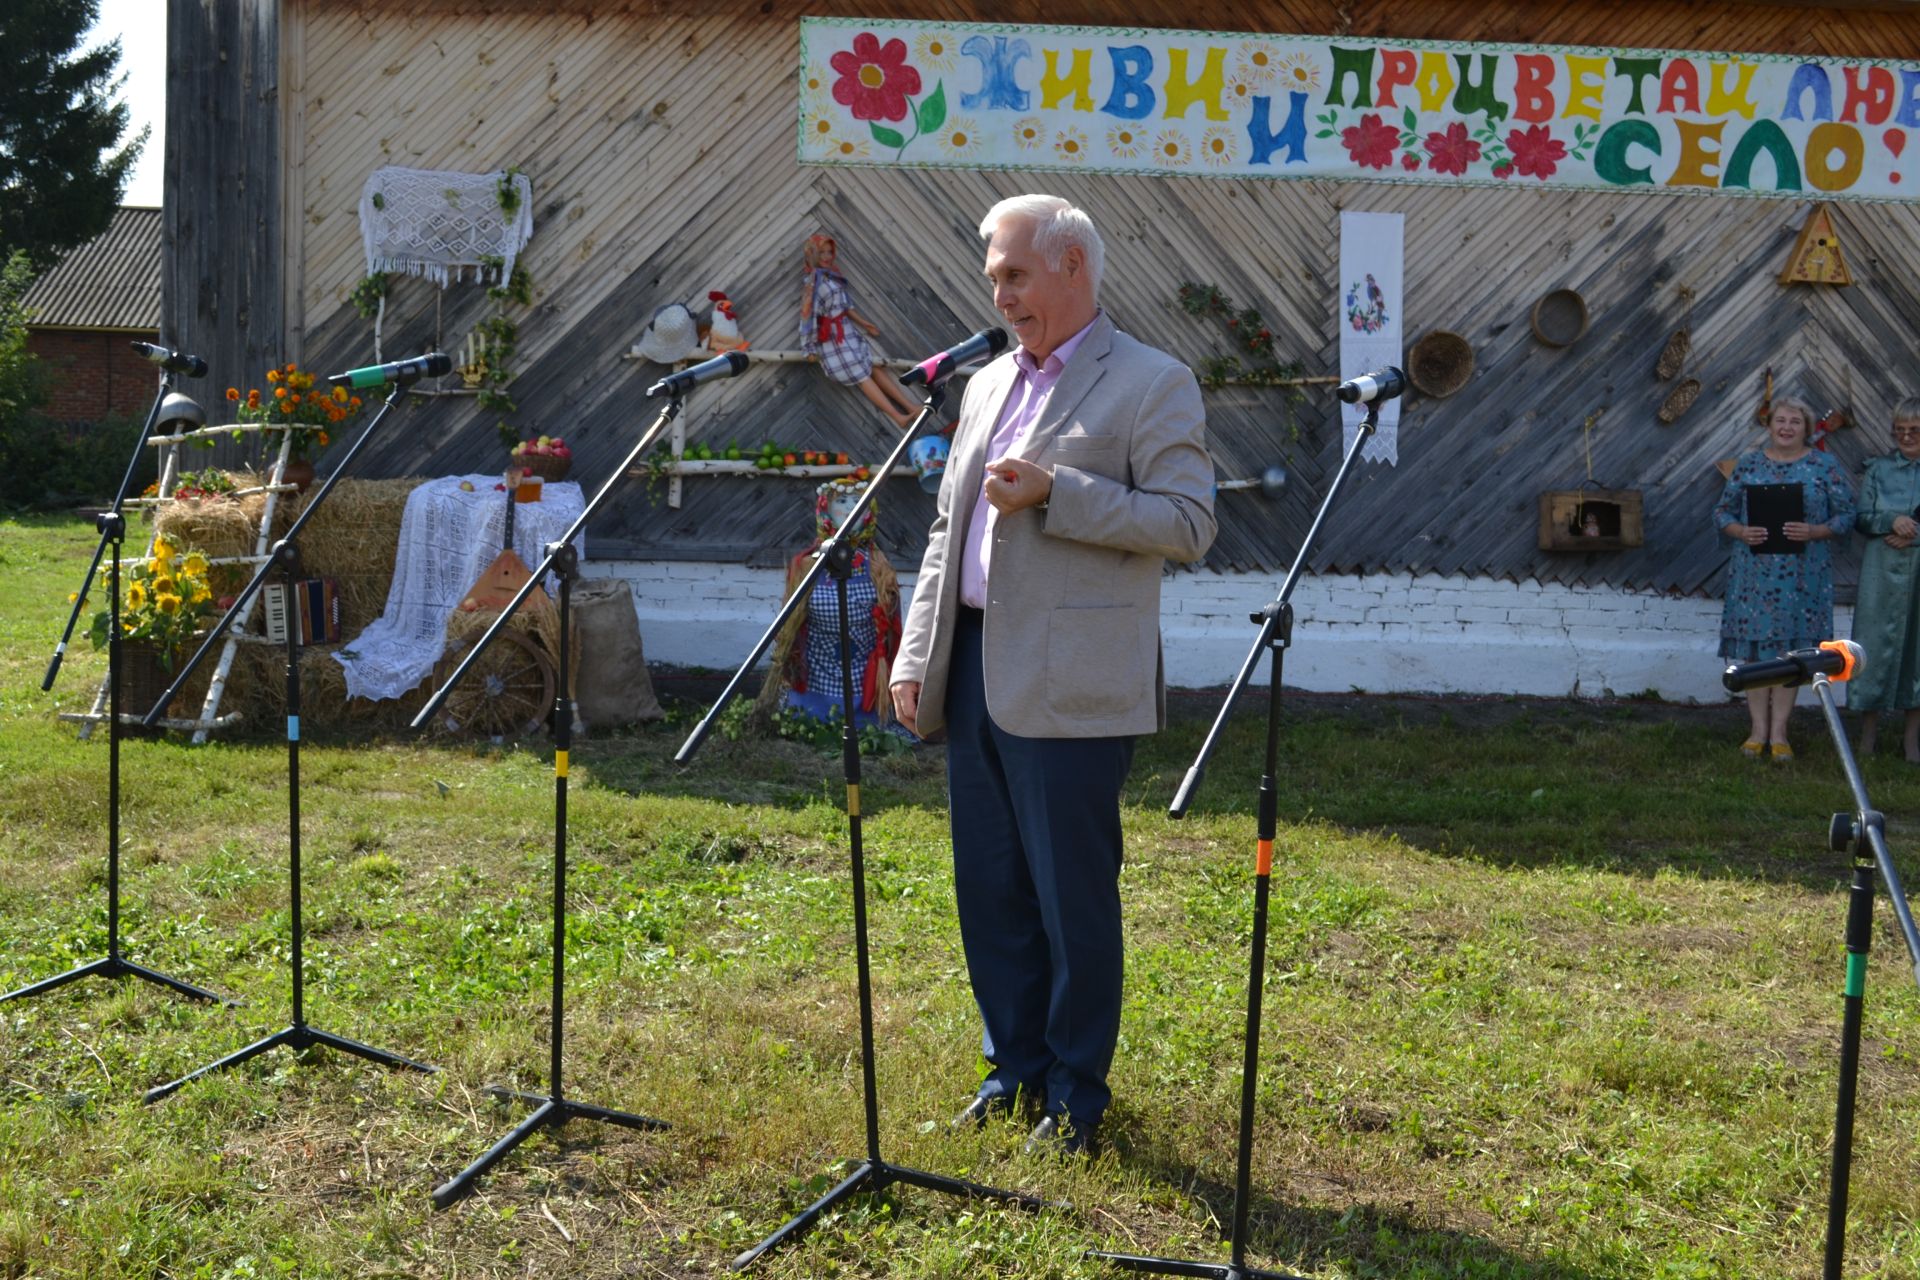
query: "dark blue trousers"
1036, 872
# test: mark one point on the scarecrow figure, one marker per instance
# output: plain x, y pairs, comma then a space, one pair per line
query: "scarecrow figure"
831, 331
806, 655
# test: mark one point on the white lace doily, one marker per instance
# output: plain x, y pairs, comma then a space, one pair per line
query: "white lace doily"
436, 223
447, 536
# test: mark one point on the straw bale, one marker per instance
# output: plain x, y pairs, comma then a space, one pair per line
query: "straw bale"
354, 538
258, 683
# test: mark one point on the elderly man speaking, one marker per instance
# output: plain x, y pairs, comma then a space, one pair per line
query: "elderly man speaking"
1078, 469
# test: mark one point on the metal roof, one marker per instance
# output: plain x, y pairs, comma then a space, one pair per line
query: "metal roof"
110, 282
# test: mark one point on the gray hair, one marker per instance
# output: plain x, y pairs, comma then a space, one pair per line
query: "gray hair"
1056, 226
1807, 415
1908, 410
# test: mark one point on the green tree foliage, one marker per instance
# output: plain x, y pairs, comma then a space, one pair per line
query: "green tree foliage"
60, 174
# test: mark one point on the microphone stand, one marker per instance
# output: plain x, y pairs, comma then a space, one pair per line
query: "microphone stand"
113, 529
562, 558
1862, 834
1276, 635
874, 1174
297, 1035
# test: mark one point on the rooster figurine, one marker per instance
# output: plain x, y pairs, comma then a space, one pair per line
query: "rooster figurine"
723, 333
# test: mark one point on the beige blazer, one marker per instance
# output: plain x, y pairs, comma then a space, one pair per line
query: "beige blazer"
1073, 613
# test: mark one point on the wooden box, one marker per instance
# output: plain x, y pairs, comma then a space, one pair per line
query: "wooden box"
1615, 519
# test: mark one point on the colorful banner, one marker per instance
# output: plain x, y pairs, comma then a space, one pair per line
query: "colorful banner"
1230, 105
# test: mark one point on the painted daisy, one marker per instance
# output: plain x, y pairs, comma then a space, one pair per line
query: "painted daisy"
1028, 133
959, 140
1240, 92
1172, 150
1255, 62
1218, 147
815, 87
1125, 141
936, 50
845, 148
1298, 70
816, 132
1070, 145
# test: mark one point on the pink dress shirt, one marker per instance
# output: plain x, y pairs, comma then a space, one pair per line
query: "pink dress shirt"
1025, 405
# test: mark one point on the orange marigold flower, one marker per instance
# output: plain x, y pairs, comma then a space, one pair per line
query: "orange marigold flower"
292, 368
294, 398
279, 393
233, 393
340, 394
354, 403
253, 398
325, 439
273, 375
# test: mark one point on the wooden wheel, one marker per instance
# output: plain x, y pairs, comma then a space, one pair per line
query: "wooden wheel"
508, 692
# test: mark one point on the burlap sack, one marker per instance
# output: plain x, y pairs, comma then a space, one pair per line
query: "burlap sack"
613, 687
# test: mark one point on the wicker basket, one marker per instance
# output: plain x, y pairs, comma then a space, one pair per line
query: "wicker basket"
547, 466
1440, 363
1679, 400
1560, 318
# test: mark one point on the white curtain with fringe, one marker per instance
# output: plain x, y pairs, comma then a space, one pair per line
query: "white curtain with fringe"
439, 224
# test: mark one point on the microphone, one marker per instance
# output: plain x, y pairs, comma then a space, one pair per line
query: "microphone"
1835, 659
173, 361
403, 373
936, 369
728, 365
1381, 384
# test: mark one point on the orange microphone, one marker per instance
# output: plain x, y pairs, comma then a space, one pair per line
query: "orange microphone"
1836, 659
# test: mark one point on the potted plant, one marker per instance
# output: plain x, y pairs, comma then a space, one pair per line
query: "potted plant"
165, 599
307, 414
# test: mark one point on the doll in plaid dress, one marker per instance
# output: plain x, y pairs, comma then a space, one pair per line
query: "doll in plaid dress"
830, 331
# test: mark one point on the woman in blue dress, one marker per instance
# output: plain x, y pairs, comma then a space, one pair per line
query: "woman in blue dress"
1886, 620
1778, 602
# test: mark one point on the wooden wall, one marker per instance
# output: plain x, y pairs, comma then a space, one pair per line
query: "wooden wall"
660, 143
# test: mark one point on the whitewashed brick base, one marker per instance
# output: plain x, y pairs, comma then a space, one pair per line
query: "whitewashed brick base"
1379, 633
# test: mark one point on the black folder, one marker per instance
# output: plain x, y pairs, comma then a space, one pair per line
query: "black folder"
1771, 506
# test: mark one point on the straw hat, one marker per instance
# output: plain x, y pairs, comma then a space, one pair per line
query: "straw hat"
670, 337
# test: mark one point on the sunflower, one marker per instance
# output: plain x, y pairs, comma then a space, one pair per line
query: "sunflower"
937, 50
1299, 71
1255, 63
1218, 147
195, 565
960, 140
1172, 150
168, 604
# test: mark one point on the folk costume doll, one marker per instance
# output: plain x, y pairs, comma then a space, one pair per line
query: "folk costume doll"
835, 334
806, 655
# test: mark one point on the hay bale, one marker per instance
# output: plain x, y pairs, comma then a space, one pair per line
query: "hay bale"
354, 538
257, 685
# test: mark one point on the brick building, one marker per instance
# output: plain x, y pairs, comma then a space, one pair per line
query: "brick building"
87, 309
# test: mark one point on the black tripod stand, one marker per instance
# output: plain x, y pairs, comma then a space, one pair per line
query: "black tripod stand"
1862, 834
297, 1035
1276, 634
873, 1174
113, 531
555, 1108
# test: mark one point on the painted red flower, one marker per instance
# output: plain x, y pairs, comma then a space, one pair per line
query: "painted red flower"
1452, 151
1536, 153
875, 80
1409, 162
1371, 143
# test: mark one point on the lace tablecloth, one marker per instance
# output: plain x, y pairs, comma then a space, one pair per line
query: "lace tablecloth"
447, 536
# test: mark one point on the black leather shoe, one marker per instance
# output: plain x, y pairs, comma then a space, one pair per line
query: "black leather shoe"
1060, 1137
977, 1112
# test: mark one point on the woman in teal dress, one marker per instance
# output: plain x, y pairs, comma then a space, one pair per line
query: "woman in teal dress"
1886, 621
1778, 602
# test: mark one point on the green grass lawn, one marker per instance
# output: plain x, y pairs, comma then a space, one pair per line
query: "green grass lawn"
1553, 991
